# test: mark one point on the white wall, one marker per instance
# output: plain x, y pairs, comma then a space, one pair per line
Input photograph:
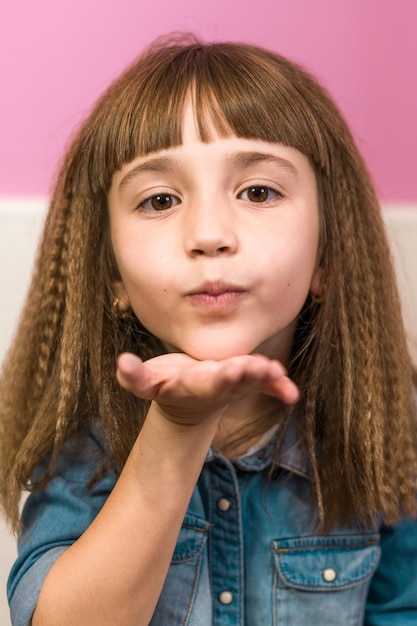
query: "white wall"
20, 224
401, 223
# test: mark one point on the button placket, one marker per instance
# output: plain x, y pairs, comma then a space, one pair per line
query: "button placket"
226, 544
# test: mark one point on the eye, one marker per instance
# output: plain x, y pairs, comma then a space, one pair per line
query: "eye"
259, 194
159, 202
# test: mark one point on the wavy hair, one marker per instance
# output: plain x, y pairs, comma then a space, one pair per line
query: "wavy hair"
350, 356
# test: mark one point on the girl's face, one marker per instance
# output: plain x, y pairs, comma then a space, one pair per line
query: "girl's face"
217, 243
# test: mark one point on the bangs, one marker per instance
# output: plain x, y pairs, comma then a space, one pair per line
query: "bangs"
236, 90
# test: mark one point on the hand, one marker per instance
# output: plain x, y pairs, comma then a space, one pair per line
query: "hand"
186, 389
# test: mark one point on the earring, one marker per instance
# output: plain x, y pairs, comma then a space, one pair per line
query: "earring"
119, 312
319, 298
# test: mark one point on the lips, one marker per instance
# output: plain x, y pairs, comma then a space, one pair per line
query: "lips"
216, 296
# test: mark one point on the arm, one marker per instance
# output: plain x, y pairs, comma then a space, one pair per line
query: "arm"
115, 571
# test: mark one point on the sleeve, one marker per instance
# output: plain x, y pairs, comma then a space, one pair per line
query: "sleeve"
392, 597
53, 519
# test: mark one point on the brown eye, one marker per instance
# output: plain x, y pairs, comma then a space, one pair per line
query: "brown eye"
159, 202
258, 194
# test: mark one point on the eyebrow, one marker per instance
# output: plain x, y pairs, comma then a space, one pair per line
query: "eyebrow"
246, 159
154, 165
243, 159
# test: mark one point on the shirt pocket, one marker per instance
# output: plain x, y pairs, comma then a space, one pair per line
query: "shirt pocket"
178, 593
323, 579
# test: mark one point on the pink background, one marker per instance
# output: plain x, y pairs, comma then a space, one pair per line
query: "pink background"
57, 56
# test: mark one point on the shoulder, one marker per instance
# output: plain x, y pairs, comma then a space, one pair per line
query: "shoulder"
55, 516
393, 588
82, 455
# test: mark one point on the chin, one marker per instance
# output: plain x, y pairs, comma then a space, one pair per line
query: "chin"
216, 352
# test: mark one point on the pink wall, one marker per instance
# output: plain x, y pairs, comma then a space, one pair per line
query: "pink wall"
56, 57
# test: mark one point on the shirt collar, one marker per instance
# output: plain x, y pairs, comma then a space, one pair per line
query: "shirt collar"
259, 457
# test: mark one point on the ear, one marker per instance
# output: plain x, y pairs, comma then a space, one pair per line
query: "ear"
318, 285
121, 299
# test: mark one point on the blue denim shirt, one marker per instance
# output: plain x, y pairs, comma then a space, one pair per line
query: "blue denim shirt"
248, 552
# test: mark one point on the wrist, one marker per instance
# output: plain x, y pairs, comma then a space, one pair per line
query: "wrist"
171, 449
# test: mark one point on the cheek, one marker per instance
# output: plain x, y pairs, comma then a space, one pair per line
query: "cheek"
138, 259
146, 281
293, 260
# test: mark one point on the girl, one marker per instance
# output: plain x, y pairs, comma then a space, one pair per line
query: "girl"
212, 225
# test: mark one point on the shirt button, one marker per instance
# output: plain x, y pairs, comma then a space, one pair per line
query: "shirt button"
329, 574
226, 597
224, 504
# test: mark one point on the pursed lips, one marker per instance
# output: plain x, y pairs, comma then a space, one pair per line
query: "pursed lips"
216, 296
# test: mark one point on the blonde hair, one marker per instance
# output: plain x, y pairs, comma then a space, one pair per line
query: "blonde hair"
350, 357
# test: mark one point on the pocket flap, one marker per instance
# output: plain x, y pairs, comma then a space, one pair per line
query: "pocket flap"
191, 539
326, 562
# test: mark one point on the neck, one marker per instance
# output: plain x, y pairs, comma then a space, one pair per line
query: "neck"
244, 422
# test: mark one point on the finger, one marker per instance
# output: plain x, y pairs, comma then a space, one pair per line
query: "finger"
134, 376
255, 371
284, 389
234, 377
277, 383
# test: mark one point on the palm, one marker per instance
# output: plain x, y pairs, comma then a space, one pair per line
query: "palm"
186, 387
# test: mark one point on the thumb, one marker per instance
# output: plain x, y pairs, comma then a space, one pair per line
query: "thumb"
133, 375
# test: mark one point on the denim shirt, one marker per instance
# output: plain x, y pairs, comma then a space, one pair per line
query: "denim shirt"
248, 553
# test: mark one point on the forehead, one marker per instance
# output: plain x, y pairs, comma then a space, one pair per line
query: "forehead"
201, 122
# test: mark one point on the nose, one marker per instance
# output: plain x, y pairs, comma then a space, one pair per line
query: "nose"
210, 230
